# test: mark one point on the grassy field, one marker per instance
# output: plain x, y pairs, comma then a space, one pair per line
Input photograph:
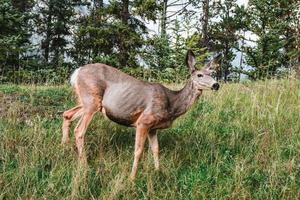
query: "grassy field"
242, 142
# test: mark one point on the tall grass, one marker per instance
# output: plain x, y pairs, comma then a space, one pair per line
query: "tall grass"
242, 142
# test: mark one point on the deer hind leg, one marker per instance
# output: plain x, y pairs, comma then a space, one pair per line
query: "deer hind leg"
153, 142
81, 128
68, 117
91, 103
140, 137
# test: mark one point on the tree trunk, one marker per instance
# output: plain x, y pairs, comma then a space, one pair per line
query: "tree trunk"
46, 42
124, 50
163, 23
204, 22
226, 64
55, 60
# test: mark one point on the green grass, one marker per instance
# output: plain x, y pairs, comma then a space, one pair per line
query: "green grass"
242, 142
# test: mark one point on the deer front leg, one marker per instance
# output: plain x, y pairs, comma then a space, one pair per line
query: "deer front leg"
140, 137
153, 141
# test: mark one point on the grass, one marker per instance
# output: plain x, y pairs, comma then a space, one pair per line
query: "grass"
242, 142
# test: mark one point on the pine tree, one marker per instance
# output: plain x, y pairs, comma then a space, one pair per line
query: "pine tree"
14, 35
53, 23
224, 34
271, 22
113, 33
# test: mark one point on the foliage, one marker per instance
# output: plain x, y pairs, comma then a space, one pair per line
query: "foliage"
114, 30
46, 35
158, 53
269, 21
224, 33
14, 35
53, 22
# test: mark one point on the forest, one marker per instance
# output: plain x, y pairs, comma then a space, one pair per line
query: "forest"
43, 41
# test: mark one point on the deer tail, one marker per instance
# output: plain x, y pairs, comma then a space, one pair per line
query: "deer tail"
74, 77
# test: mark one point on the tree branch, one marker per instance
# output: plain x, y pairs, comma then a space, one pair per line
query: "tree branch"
253, 57
179, 11
174, 2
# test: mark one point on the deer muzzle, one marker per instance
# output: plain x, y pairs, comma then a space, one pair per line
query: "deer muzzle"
215, 86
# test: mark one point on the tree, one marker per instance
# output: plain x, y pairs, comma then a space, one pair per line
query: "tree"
14, 34
113, 33
290, 14
224, 33
269, 21
218, 25
53, 23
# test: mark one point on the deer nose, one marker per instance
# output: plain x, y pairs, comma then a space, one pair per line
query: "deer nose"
215, 86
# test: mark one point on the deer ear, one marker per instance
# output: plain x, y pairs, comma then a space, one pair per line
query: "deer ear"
213, 64
191, 61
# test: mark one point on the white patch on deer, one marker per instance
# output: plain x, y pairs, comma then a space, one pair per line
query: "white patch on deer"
74, 76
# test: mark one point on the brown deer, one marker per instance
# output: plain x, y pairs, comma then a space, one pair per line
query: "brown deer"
132, 102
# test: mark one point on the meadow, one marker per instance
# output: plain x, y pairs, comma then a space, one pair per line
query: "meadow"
242, 142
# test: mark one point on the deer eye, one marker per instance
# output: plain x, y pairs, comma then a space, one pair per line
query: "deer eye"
199, 75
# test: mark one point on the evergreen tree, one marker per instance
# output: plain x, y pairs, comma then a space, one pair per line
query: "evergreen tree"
270, 22
53, 24
113, 33
14, 34
224, 34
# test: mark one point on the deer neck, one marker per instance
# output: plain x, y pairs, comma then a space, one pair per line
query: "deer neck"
184, 98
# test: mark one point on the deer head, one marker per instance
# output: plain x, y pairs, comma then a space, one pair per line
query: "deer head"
202, 79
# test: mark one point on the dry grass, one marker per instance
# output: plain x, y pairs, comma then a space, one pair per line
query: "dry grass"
242, 142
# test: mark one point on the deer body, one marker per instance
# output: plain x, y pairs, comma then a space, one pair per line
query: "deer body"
124, 99
127, 101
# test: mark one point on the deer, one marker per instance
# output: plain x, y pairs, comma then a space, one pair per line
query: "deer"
148, 107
